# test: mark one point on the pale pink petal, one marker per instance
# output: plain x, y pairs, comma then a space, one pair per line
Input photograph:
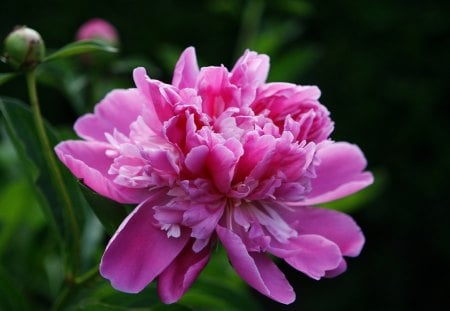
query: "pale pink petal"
139, 251
333, 225
340, 173
249, 72
176, 279
250, 69
255, 268
116, 111
296, 109
186, 70
161, 96
310, 254
87, 161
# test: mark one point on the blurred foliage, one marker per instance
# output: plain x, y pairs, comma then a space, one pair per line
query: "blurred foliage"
383, 70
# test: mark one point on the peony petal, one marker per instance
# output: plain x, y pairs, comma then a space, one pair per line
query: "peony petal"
310, 254
256, 268
161, 97
337, 271
138, 252
249, 72
340, 173
221, 163
333, 225
216, 91
186, 70
88, 162
176, 279
196, 158
115, 112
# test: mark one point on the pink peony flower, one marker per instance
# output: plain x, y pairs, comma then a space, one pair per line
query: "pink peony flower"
219, 156
98, 28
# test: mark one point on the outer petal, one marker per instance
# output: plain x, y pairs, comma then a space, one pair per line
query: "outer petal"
116, 111
139, 251
311, 254
333, 225
256, 268
186, 70
337, 271
87, 161
340, 173
176, 279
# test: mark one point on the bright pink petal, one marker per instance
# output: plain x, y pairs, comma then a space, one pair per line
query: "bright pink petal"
311, 254
222, 162
337, 271
139, 251
87, 161
333, 225
186, 70
196, 158
117, 111
216, 91
176, 279
256, 268
340, 173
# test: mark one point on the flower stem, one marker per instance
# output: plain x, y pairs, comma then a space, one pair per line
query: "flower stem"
73, 286
54, 169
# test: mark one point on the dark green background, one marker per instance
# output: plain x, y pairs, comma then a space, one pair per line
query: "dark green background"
383, 68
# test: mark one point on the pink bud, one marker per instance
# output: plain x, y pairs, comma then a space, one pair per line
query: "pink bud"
98, 28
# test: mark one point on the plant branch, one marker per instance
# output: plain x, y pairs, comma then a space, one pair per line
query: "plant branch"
55, 171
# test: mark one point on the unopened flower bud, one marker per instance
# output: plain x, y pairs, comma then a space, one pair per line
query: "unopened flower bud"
24, 48
100, 29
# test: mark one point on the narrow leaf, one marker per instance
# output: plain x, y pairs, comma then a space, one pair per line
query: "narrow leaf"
21, 130
12, 295
80, 47
5, 77
110, 213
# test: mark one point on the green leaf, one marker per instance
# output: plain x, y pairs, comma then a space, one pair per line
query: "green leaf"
21, 130
103, 296
5, 77
17, 207
219, 288
110, 213
294, 63
80, 47
12, 297
63, 75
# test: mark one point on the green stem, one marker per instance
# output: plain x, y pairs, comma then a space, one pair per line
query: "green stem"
55, 172
73, 286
